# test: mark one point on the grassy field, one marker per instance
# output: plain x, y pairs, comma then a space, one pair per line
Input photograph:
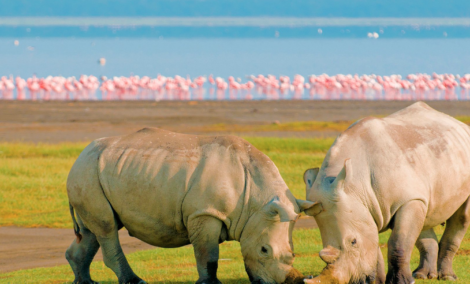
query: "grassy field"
295, 126
179, 266
32, 194
33, 176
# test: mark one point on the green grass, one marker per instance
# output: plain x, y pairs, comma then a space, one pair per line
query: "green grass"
179, 266
295, 126
463, 118
176, 265
32, 193
32, 183
33, 176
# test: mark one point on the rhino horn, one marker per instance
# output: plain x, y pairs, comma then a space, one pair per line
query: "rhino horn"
275, 207
305, 204
345, 174
310, 208
325, 277
329, 254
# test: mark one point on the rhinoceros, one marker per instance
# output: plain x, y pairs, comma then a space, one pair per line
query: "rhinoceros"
170, 190
407, 172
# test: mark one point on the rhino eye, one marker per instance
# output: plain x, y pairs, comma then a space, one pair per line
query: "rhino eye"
354, 242
264, 250
293, 255
330, 180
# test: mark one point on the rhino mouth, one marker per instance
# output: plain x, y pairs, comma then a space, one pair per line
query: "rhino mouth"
255, 280
259, 281
250, 275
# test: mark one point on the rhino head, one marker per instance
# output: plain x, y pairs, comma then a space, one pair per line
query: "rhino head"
348, 230
266, 243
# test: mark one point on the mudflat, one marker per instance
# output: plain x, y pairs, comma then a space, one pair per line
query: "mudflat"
57, 121
23, 248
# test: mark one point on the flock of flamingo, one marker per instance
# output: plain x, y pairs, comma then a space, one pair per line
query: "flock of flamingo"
320, 87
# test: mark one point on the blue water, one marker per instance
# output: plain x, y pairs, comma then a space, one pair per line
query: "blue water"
232, 57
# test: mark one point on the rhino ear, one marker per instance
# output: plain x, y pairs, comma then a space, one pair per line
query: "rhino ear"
275, 207
345, 174
310, 175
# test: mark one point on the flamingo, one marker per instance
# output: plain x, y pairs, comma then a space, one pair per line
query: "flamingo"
365, 86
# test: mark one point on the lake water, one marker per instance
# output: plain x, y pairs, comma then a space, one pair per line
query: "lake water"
231, 57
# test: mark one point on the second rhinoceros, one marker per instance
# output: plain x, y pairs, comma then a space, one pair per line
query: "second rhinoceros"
170, 190
408, 172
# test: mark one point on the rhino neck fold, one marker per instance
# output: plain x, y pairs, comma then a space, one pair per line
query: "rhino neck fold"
235, 231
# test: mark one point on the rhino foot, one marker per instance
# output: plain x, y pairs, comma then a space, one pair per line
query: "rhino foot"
447, 277
399, 279
209, 281
135, 280
85, 282
424, 273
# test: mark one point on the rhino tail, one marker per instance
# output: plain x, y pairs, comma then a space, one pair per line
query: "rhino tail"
76, 228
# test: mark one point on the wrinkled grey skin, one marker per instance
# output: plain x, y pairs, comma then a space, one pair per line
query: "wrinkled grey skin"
408, 172
170, 190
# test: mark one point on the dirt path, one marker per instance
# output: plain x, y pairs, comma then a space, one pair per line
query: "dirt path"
85, 121
23, 248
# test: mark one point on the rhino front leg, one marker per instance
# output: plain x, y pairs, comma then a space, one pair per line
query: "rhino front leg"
380, 274
204, 234
428, 249
456, 227
408, 223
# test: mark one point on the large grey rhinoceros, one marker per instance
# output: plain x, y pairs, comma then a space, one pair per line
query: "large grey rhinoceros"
170, 190
407, 172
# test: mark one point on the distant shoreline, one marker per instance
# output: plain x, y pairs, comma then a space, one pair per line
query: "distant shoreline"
202, 28
228, 22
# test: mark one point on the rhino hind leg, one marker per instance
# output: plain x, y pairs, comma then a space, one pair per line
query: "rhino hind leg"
456, 227
407, 225
105, 226
80, 255
205, 235
87, 198
114, 259
428, 249
100, 229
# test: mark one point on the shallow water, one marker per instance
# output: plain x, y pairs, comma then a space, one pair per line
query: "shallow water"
232, 57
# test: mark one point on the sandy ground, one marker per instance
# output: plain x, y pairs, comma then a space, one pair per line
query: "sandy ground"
84, 121
22, 248
54, 122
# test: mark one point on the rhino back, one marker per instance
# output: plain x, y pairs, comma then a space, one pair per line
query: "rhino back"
416, 153
155, 180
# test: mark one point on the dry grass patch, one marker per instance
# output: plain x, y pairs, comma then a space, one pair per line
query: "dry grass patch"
297, 126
